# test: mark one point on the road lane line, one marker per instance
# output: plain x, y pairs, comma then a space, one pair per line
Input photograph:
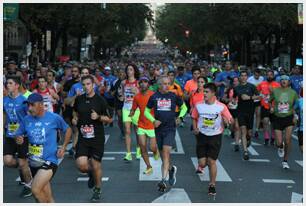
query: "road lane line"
82, 179
259, 160
296, 197
281, 181
179, 144
222, 175
106, 138
252, 151
156, 165
300, 162
108, 158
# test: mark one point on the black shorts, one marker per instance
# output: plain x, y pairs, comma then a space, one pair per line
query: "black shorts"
90, 148
281, 123
10, 147
264, 113
208, 146
245, 119
165, 137
300, 136
45, 166
234, 113
256, 104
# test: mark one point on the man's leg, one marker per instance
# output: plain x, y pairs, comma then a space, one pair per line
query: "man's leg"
97, 172
288, 133
212, 171
48, 192
142, 139
41, 179
257, 115
128, 140
166, 161
243, 137
25, 169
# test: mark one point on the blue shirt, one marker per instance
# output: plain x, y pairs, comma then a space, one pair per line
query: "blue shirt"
224, 77
164, 108
300, 108
109, 80
15, 110
42, 131
296, 82
79, 87
182, 79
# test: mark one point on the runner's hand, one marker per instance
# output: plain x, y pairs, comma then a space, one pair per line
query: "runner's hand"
156, 123
178, 121
106, 119
245, 97
19, 140
60, 152
196, 131
94, 115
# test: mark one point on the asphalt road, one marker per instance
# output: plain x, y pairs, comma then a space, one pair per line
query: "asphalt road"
259, 180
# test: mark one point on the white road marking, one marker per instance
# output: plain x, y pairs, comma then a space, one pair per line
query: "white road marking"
106, 138
179, 145
18, 179
278, 181
81, 179
259, 160
156, 165
300, 162
222, 175
296, 197
252, 143
295, 137
175, 195
108, 158
252, 151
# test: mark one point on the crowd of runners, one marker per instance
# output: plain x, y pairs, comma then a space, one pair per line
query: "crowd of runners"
48, 106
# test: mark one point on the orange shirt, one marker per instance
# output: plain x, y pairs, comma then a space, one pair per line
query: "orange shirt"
191, 86
176, 89
196, 98
140, 101
265, 89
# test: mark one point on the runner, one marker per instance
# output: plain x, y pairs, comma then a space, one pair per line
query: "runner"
296, 79
41, 129
208, 126
265, 88
246, 94
191, 85
89, 115
145, 127
163, 104
130, 89
300, 112
49, 95
284, 99
255, 80
14, 110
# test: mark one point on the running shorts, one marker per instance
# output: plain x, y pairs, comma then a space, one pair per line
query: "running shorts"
90, 148
234, 113
45, 166
165, 136
10, 147
208, 146
126, 118
149, 132
281, 123
245, 119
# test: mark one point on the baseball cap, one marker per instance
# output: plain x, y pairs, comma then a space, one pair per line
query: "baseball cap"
144, 78
284, 77
34, 97
107, 68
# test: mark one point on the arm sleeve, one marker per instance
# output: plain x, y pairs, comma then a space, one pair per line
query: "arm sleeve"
148, 115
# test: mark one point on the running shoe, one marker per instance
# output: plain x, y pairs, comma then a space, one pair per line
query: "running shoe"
281, 152
212, 190
285, 165
156, 156
236, 148
26, 192
246, 155
91, 182
162, 186
172, 175
148, 171
200, 170
96, 196
138, 153
128, 157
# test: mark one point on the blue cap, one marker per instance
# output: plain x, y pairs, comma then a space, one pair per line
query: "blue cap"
144, 78
34, 97
284, 77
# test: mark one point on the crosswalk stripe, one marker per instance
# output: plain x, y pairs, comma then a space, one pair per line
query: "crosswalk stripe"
295, 137
222, 175
281, 181
175, 195
252, 151
106, 138
156, 165
259, 160
179, 144
296, 197
300, 162
82, 179
108, 158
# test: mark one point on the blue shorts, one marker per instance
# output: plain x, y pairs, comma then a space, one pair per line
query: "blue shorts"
165, 136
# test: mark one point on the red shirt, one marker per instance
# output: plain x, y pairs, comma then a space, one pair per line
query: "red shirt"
265, 89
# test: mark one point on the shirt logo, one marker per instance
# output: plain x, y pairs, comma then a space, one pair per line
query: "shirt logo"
164, 105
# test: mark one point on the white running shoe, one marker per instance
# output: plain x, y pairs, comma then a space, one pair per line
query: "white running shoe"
285, 165
280, 152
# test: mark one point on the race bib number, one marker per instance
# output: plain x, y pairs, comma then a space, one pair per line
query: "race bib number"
208, 123
36, 150
48, 104
283, 107
128, 101
13, 127
88, 131
164, 105
266, 98
232, 105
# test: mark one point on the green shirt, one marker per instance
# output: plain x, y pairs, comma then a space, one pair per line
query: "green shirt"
27, 94
284, 100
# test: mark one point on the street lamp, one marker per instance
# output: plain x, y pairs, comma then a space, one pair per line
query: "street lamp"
187, 32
